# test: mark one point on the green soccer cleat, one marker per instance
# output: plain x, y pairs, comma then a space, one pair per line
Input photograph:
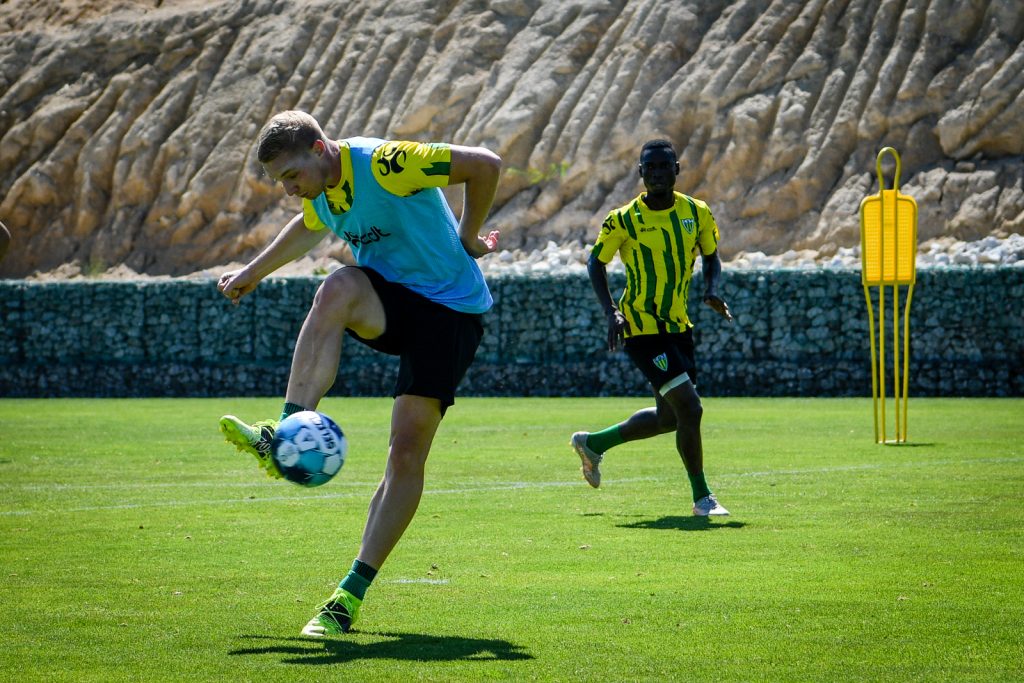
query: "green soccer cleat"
336, 616
254, 439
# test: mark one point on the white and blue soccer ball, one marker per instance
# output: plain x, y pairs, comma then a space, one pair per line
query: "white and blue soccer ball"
309, 448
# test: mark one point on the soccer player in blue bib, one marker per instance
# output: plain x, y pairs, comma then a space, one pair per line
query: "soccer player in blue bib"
658, 236
415, 292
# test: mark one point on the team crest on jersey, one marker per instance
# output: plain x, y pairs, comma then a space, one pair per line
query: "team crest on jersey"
689, 225
661, 361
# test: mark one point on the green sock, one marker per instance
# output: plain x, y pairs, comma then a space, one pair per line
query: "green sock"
358, 579
699, 486
601, 441
291, 409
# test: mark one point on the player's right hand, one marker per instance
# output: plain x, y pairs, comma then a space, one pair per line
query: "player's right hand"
234, 285
617, 326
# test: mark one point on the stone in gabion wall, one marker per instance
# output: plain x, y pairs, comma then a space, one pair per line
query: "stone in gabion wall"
796, 332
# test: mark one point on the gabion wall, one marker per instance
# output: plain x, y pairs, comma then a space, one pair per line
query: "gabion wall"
796, 333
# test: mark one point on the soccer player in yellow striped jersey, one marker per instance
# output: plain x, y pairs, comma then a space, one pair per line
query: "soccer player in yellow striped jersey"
658, 236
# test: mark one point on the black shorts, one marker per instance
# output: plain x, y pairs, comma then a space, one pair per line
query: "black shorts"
663, 357
435, 343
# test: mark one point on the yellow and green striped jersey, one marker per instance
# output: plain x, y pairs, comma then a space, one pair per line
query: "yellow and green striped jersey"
658, 249
400, 167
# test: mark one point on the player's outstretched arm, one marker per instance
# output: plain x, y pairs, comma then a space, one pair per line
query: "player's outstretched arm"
478, 169
712, 267
291, 243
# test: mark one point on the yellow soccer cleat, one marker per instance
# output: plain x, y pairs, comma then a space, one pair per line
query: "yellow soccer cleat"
254, 439
336, 616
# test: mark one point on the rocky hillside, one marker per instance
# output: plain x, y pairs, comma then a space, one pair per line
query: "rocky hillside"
127, 128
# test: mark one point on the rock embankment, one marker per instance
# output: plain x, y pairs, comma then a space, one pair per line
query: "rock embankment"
127, 127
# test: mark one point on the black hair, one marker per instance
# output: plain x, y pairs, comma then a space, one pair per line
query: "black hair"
658, 144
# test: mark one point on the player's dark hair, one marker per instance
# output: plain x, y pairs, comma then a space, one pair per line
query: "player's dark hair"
658, 144
286, 132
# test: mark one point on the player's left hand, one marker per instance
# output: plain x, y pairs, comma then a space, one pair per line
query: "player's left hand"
718, 305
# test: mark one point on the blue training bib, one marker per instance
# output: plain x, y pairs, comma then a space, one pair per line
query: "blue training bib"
412, 241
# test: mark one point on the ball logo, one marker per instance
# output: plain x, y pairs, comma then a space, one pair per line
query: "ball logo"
661, 361
306, 438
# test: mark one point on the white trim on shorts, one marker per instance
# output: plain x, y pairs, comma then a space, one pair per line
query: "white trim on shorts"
673, 383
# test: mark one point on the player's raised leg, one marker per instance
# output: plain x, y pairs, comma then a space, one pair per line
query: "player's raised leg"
648, 422
643, 424
345, 299
414, 421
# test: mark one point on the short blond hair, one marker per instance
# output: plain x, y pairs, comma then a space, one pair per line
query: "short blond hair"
288, 131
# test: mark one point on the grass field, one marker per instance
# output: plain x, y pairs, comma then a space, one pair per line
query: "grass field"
135, 545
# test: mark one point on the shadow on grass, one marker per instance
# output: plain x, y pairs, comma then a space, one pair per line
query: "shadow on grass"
401, 646
682, 523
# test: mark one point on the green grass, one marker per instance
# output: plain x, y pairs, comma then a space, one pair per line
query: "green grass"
135, 545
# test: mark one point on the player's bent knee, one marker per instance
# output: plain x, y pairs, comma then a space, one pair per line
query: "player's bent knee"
340, 286
339, 293
348, 297
687, 415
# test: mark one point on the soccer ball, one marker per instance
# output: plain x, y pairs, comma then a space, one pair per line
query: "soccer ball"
308, 448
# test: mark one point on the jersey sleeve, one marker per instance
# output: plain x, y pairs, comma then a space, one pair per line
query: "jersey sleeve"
613, 234
404, 168
309, 217
707, 239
